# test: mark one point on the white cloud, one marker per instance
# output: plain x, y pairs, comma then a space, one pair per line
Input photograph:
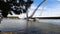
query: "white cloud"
58, 0
47, 12
34, 7
31, 9
54, 11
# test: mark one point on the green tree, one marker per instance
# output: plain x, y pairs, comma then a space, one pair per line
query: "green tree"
6, 6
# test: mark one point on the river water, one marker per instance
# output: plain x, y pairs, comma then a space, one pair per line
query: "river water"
16, 25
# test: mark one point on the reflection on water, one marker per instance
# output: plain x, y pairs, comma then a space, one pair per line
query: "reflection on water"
40, 26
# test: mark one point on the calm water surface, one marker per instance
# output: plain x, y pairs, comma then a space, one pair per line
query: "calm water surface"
20, 24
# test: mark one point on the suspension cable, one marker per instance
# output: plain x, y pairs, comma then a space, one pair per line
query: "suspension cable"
37, 8
43, 7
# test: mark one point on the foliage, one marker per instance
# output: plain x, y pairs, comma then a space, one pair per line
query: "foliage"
12, 5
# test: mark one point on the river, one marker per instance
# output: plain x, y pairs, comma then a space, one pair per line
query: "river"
44, 25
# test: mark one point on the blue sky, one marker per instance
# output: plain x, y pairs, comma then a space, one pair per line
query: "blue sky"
50, 8
49, 3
